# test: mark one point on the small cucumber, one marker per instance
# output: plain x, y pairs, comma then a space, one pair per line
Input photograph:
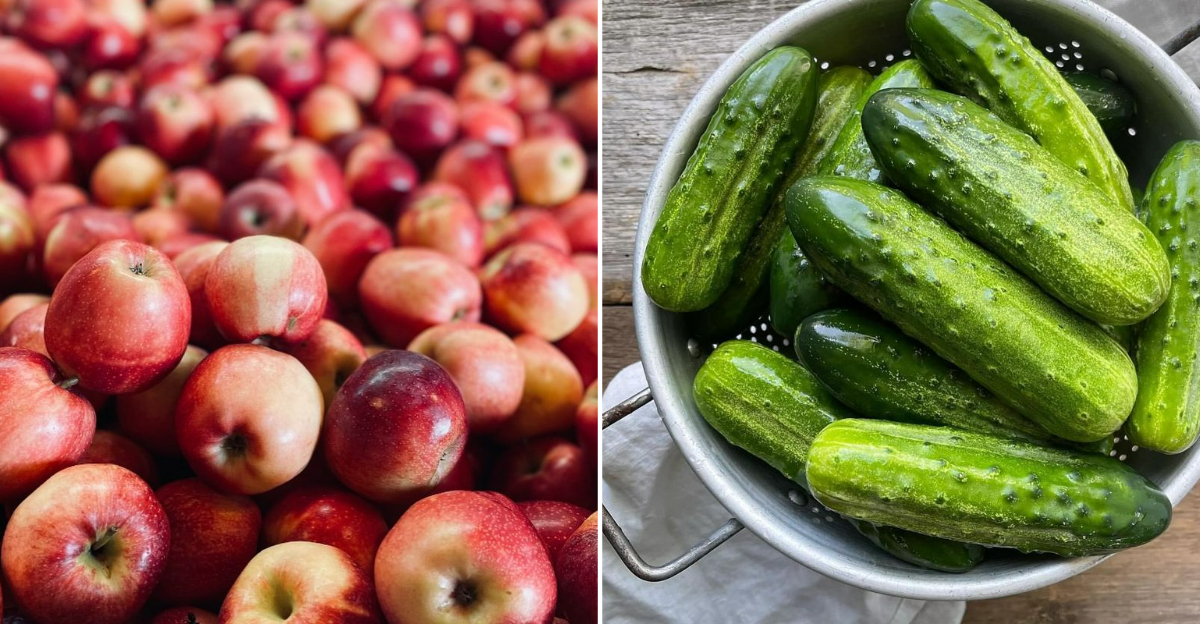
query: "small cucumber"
850, 156
969, 47
995, 184
797, 288
839, 96
879, 372
1058, 369
1166, 417
730, 181
770, 406
983, 489
1110, 103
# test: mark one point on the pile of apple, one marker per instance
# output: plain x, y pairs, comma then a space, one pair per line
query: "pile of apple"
298, 311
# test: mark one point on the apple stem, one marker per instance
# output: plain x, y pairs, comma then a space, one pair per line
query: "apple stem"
67, 384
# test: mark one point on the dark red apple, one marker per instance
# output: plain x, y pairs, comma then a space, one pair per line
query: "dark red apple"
438, 65
110, 46
259, 207
393, 87
185, 615
422, 123
27, 85
48, 23
331, 516
379, 179
498, 23
555, 522
100, 131
546, 468
290, 64
577, 569
485, 364
241, 149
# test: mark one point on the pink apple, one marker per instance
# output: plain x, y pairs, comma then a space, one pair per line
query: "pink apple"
525, 225
327, 112
492, 123
27, 85
176, 12
587, 426
571, 49
79, 231
403, 292
119, 318
488, 82
396, 427
478, 169
259, 207
37, 159
555, 522
553, 390
240, 436
185, 615
262, 15
580, 217
422, 123
587, 9
312, 177
453, 18
352, 68
176, 122
534, 93
265, 286
446, 224
195, 193
533, 288
43, 427
128, 177
438, 65
87, 546
390, 32
27, 330
213, 536
148, 417
464, 557
238, 98
549, 123
331, 516
108, 447
581, 104
577, 568
193, 266
545, 468
331, 354
13, 305
548, 170
301, 583
343, 243
485, 364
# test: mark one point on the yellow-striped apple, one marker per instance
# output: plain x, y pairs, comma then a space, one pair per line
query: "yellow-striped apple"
301, 583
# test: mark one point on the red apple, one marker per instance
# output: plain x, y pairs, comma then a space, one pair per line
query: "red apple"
17, 236
582, 346
393, 87
43, 427
13, 305
261, 15
464, 557
48, 23
259, 207
238, 98
545, 468
555, 522
290, 65
245, 437
301, 21
107, 88
548, 170
173, 65
526, 51
312, 177
444, 224
475, 56
390, 32
195, 193
335, 14
396, 427
406, 291
530, 287
587, 426
193, 266
498, 23
175, 122
379, 178
301, 583
488, 82
452, 18
422, 123
344, 145
175, 245
113, 448
240, 150
587, 9
343, 243
110, 46
48, 202
434, 191
27, 330
243, 53
157, 225
119, 318
87, 546
265, 286
213, 536
130, 14
589, 266
327, 112
27, 85
492, 123
128, 177
577, 568
485, 364
176, 12
553, 390
38, 159
100, 131
148, 417
77, 232
331, 516
478, 169
353, 69
580, 217
549, 123
581, 104
331, 354
571, 49
534, 93
525, 225
438, 65
185, 615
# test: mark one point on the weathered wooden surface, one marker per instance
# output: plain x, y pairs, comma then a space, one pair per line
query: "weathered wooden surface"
656, 55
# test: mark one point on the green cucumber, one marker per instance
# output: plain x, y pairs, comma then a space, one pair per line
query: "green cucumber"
797, 288
1056, 368
729, 182
1166, 417
994, 183
1110, 103
977, 53
850, 156
983, 489
770, 406
879, 372
839, 96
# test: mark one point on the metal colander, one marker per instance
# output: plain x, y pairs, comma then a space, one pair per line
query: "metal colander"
1077, 35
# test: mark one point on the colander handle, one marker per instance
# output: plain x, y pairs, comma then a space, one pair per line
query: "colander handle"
621, 544
1181, 41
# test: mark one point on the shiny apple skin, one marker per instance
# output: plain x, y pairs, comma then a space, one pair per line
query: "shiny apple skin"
343, 243
485, 364
331, 516
314, 583
555, 522
577, 568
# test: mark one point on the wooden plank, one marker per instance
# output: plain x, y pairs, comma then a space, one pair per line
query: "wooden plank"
620, 348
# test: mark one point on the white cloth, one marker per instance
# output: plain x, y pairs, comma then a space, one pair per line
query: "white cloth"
664, 509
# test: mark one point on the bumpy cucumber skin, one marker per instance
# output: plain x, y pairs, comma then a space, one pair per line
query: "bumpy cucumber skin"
1056, 368
983, 489
879, 372
729, 181
839, 97
1110, 103
850, 156
977, 53
995, 184
1166, 417
797, 288
926, 551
